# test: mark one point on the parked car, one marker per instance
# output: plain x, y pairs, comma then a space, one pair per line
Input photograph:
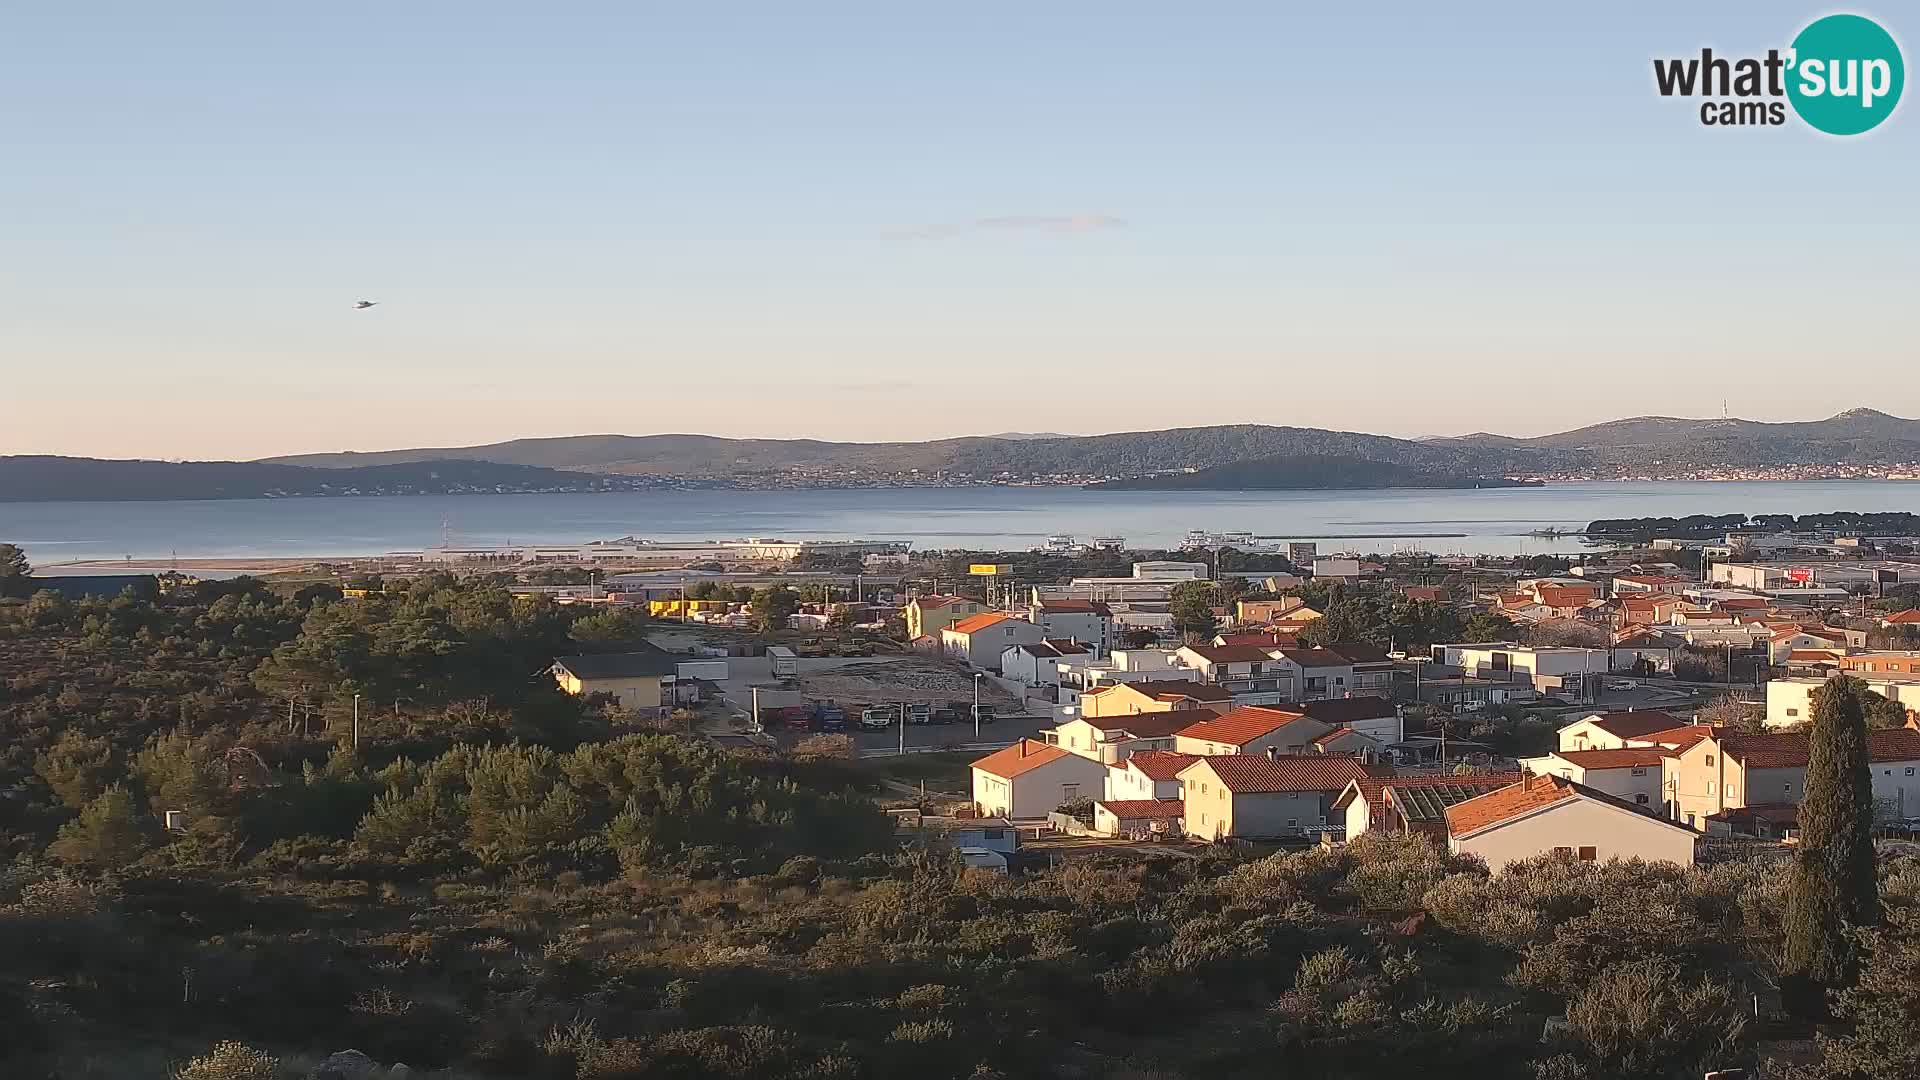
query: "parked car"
879, 719
1622, 684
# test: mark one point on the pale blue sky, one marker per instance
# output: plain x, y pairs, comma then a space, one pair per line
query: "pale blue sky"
905, 220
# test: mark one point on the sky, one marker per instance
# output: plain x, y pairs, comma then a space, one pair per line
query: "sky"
894, 220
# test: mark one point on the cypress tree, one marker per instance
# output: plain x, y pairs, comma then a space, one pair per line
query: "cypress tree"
1833, 885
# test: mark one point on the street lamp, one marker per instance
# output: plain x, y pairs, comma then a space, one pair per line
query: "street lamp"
976, 705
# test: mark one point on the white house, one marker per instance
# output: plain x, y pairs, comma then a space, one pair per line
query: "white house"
1089, 622
1149, 774
1112, 739
1038, 664
1029, 779
1790, 700
1616, 730
980, 640
1543, 814
1632, 775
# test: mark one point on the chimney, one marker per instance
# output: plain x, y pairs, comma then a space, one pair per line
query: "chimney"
1023, 748
1273, 753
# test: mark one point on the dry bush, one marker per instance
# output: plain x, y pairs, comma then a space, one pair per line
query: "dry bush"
229, 1061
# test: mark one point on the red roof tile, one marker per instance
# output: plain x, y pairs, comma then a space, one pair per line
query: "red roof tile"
1230, 654
1507, 803
1615, 759
1241, 726
1789, 750
1152, 725
1158, 764
1126, 809
1911, 615
1175, 689
979, 622
1254, 774
1633, 725
1023, 756
1312, 658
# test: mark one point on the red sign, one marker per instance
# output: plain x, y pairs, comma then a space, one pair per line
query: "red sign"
1800, 575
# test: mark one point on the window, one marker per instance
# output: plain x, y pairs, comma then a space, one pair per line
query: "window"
1709, 759
1639, 770
1641, 799
1293, 823
1709, 787
1203, 787
1563, 851
1689, 821
1730, 791
1787, 787
1069, 792
1793, 712
1909, 770
1588, 854
995, 834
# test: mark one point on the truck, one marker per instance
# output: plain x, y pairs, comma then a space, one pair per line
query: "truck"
919, 712
784, 663
829, 717
877, 718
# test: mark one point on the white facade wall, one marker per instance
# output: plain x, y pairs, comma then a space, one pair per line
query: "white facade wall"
1036, 792
1575, 823
1091, 629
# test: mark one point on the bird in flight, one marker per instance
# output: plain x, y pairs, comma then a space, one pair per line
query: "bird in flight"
362, 305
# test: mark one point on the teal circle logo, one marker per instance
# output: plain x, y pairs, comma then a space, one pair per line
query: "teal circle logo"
1845, 74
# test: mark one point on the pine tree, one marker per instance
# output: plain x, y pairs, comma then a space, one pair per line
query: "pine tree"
112, 831
1833, 884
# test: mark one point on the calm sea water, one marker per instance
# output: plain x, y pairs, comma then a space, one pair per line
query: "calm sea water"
1492, 521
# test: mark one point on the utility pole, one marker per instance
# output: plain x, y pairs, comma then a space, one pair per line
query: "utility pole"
976, 705
756, 711
903, 729
356, 723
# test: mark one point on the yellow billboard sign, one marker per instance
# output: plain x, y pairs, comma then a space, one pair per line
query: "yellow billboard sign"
990, 569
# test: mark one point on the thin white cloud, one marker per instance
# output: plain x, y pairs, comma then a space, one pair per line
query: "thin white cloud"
1059, 223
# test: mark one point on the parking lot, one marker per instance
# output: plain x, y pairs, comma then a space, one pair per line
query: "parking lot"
858, 682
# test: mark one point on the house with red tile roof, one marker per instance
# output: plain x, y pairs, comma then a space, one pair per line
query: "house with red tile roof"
979, 640
1542, 815
1149, 774
1112, 739
1259, 796
1614, 730
1909, 617
1089, 622
930, 614
1153, 695
1396, 805
1139, 818
1030, 779
1634, 774
1728, 770
1252, 729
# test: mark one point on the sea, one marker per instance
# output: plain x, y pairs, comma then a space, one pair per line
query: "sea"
1479, 521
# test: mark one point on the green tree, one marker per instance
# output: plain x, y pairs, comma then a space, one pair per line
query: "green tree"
112, 831
614, 626
77, 767
1832, 886
15, 572
1191, 604
1488, 626
773, 606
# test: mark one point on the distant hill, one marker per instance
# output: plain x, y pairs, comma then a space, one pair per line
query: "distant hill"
1281, 456
1854, 437
30, 478
1293, 473
1117, 455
